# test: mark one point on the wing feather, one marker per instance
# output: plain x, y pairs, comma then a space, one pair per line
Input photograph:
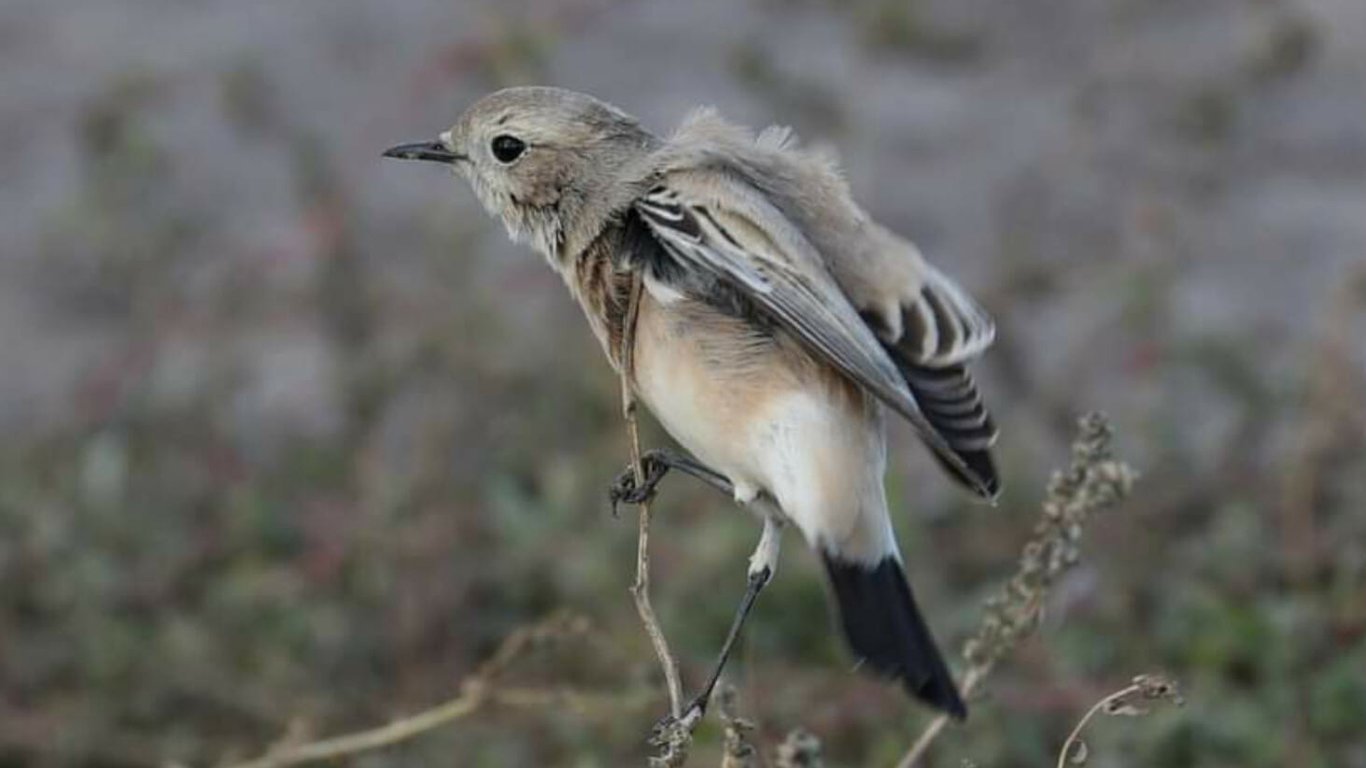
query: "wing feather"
944, 326
717, 225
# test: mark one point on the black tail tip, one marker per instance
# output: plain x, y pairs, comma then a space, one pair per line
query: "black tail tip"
885, 631
942, 697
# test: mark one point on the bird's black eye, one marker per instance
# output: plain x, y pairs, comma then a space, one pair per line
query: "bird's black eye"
507, 148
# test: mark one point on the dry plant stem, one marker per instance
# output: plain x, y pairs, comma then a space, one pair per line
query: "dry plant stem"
971, 680
1093, 482
470, 701
640, 590
1145, 688
395, 732
474, 693
1072, 737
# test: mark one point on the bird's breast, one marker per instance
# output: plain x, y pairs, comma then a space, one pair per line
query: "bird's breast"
723, 387
691, 372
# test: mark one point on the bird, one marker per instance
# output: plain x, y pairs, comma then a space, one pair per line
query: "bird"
777, 327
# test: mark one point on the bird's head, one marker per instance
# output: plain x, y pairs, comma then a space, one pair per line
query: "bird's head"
546, 161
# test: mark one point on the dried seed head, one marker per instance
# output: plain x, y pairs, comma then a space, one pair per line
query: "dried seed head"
1092, 483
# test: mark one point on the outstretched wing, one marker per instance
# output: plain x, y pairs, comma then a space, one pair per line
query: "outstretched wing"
718, 225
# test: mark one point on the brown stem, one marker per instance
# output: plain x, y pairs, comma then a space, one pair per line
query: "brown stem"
1072, 737
971, 680
477, 691
640, 590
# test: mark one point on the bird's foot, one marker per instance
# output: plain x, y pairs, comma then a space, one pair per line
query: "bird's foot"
654, 466
670, 731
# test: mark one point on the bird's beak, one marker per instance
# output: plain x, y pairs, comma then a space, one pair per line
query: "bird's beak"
434, 151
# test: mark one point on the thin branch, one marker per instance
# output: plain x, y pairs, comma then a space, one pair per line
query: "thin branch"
475, 692
1121, 702
640, 590
470, 700
971, 680
1074, 738
675, 741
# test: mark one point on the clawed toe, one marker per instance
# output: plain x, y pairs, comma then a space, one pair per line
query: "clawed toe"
667, 728
625, 490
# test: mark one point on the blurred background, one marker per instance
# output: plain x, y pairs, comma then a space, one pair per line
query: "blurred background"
293, 436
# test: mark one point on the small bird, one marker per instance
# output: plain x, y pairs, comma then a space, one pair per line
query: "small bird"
776, 324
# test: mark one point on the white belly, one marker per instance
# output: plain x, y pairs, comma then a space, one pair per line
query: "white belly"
772, 422
697, 411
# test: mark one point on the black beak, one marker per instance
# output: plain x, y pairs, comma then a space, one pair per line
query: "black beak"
434, 151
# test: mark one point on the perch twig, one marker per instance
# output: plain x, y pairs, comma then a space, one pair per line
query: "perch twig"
675, 741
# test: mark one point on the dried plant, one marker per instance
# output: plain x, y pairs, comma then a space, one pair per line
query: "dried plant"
672, 745
676, 736
1132, 701
739, 752
1093, 482
478, 690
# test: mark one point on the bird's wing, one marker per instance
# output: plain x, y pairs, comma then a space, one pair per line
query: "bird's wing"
944, 326
941, 329
934, 330
715, 223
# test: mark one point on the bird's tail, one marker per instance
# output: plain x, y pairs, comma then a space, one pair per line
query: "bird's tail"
886, 632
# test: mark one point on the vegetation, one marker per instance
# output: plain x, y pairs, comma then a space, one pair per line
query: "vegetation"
308, 445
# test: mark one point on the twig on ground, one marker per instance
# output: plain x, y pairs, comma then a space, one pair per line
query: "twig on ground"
674, 744
1093, 482
1131, 702
477, 691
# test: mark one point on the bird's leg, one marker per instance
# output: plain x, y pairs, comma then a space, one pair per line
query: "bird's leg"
761, 567
656, 464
